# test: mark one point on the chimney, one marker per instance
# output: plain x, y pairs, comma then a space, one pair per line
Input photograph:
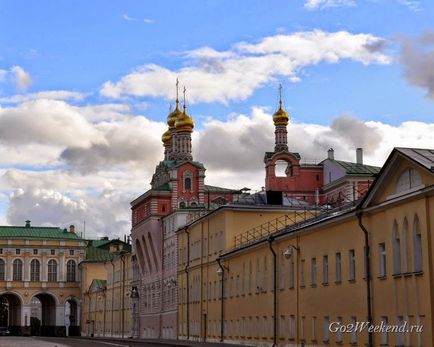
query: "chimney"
331, 154
72, 228
359, 155
27, 224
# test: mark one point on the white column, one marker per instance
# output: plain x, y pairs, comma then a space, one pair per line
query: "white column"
60, 315
25, 315
62, 266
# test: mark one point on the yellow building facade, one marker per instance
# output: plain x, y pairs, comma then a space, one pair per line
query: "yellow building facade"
317, 283
38, 267
107, 303
201, 242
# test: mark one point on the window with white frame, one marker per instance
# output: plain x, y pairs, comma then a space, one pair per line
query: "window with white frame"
417, 245
35, 270
257, 327
291, 326
352, 264
384, 337
17, 270
339, 335
265, 280
282, 327
400, 331
250, 277
52, 271
326, 329
302, 325
302, 272
325, 269
382, 259
314, 328
291, 274
282, 272
264, 327
338, 271
396, 246
353, 333
313, 271
70, 271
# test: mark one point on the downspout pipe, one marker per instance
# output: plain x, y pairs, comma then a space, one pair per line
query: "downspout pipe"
113, 294
270, 241
187, 282
222, 290
359, 215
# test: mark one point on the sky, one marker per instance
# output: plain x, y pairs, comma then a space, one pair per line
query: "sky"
86, 86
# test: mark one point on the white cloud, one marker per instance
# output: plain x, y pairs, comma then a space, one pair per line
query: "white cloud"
222, 76
321, 4
128, 18
21, 78
83, 179
48, 94
148, 21
412, 5
3, 74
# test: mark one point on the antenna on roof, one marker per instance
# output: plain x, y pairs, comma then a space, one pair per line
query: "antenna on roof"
84, 229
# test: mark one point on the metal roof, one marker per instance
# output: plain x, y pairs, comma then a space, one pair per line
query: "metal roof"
29, 232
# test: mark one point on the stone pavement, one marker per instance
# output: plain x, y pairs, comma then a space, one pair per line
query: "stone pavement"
18, 341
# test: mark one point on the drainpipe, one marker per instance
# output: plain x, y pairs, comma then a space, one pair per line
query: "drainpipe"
113, 294
270, 241
359, 215
222, 290
187, 281
123, 295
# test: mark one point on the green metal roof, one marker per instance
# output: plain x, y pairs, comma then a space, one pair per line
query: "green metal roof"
96, 255
219, 189
357, 169
55, 233
164, 187
100, 243
98, 284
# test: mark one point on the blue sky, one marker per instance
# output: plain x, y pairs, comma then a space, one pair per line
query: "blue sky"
85, 87
78, 45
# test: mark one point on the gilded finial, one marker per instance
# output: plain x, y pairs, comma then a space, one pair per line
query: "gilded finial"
185, 105
280, 117
177, 90
280, 95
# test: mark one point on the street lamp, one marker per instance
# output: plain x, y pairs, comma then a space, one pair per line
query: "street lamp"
288, 255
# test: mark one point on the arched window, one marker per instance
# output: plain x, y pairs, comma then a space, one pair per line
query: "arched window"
17, 270
70, 271
409, 179
182, 204
188, 179
35, 270
417, 245
2, 270
396, 245
406, 259
283, 168
52, 271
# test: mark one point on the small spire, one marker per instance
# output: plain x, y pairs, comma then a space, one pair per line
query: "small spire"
280, 95
185, 105
177, 93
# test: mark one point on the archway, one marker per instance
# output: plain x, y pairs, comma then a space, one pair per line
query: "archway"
71, 318
44, 312
10, 312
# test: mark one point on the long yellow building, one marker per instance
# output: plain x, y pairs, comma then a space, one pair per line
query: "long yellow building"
106, 289
360, 275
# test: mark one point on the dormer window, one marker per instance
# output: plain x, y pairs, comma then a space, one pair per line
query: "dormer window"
408, 180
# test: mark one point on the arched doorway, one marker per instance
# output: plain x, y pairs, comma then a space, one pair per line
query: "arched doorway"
45, 312
10, 312
72, 317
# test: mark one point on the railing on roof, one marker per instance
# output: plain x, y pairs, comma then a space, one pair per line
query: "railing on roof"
273, 226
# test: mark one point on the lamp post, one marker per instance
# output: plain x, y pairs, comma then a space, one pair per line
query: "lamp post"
288, 255
220, 272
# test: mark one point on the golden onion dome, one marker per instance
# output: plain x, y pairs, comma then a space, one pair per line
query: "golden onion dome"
173, 116
184, 122
281, 117
167, 136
